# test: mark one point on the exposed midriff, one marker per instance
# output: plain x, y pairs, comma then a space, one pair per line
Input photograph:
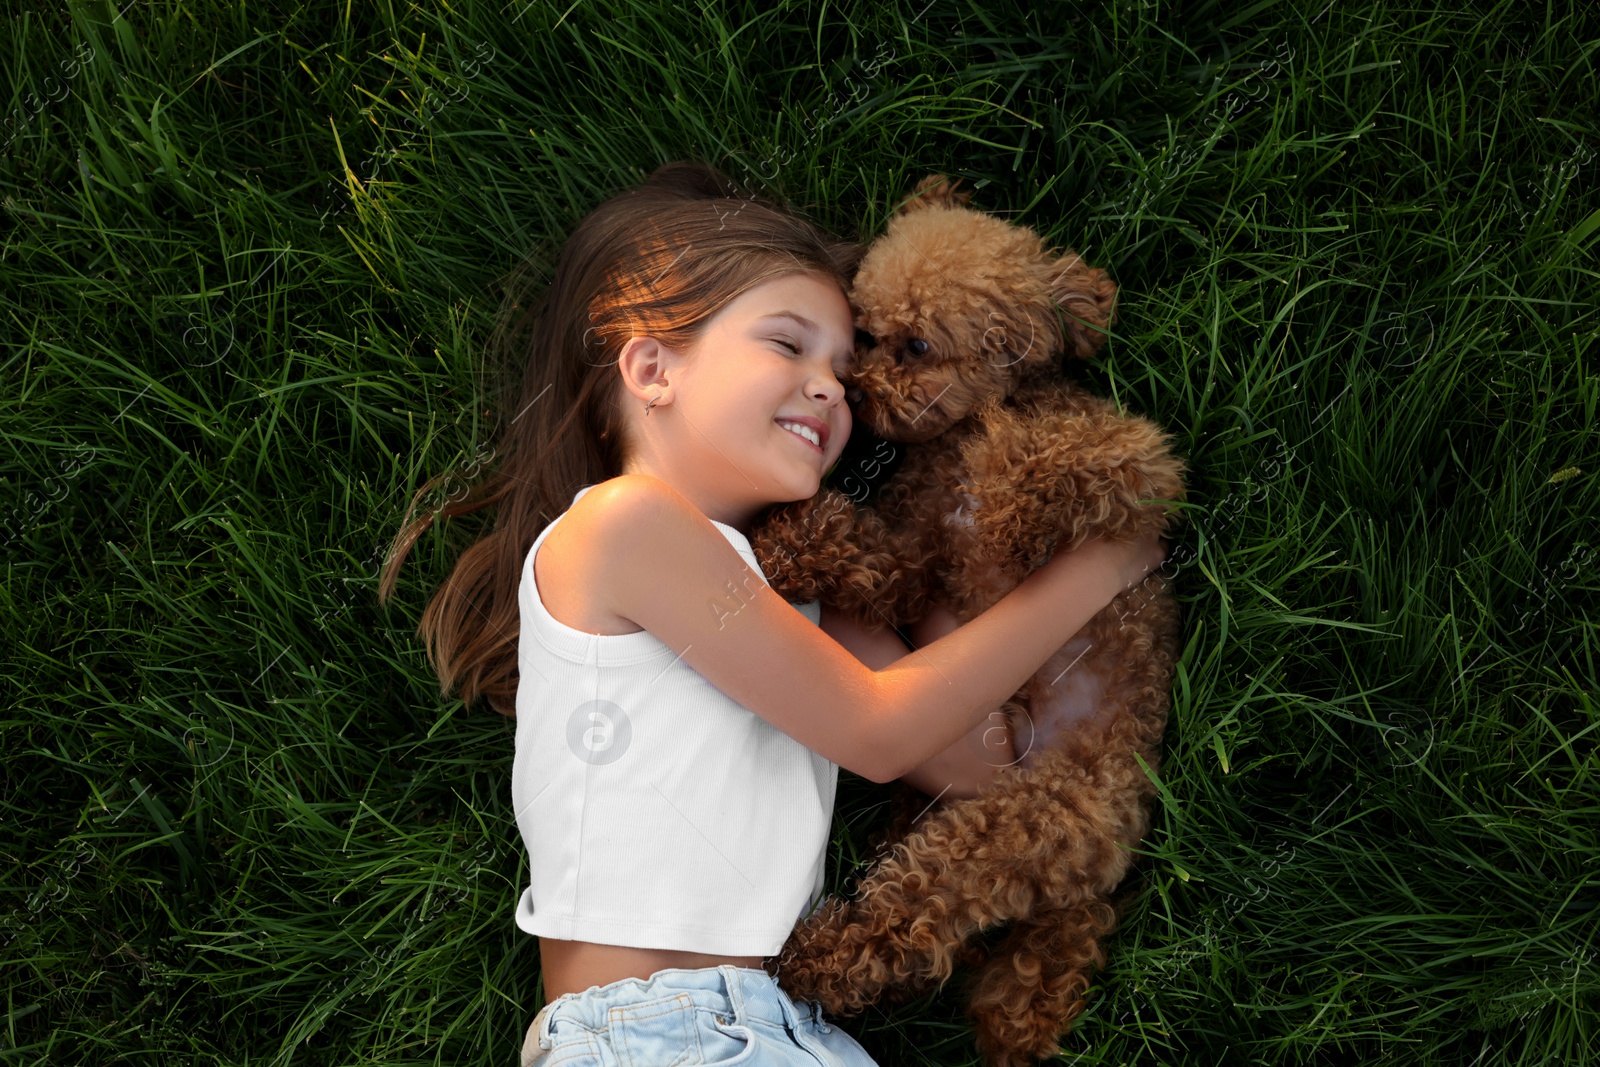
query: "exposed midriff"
574, 966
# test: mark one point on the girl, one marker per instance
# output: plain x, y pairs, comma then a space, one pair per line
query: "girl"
680, 727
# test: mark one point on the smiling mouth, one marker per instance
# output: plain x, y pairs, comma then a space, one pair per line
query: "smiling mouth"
801, 438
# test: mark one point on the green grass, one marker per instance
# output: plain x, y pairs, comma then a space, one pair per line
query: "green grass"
247, 272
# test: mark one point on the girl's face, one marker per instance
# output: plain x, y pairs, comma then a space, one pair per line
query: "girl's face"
773, 355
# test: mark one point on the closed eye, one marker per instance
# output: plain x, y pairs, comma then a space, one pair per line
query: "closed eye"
837, 373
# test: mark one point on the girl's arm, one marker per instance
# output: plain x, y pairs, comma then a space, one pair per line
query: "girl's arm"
653, 559
963, 769
968, 765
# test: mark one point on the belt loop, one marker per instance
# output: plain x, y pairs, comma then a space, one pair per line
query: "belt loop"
546, 1041
732, 980
791, 1017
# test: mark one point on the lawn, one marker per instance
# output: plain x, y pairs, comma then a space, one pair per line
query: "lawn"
251, 258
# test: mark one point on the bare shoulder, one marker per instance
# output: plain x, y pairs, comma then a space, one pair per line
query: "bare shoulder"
576, 567
635, 513
616, 534
629, 500
670, 571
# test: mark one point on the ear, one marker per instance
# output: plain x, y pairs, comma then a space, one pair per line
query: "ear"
1087, 297
1012, 336
935, 190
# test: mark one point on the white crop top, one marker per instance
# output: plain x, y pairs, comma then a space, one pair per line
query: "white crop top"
656, 811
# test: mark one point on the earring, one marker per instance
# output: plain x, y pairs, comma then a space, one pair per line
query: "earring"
651, 403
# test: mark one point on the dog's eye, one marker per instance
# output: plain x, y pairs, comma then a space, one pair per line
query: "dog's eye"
917, 346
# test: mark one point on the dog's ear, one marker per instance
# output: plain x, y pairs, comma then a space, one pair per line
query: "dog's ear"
935, 190
1013, 335
1087, 297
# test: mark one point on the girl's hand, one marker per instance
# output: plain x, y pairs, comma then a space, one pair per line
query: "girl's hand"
1145, 554
1125, 563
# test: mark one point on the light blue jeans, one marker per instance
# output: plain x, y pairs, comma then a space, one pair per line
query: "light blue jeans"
683, 1016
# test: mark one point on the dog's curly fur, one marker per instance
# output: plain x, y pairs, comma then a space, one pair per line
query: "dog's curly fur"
970, 316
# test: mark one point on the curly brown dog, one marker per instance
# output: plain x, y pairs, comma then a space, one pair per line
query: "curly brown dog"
969, 318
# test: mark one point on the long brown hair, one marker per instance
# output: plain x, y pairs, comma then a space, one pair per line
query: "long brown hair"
659, 259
